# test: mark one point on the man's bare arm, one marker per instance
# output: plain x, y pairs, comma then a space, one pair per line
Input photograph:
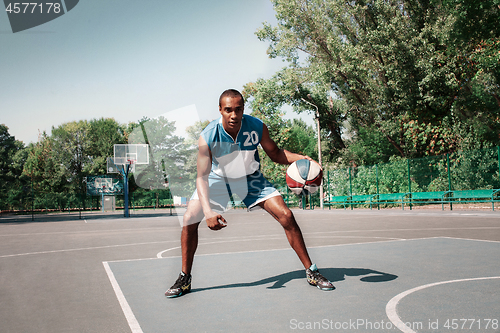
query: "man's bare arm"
277, 155
204, 165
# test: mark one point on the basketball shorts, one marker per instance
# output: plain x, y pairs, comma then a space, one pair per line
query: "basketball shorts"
252, 189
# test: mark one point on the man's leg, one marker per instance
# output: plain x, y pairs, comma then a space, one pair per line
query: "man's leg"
279, 210
189, 235
189, 243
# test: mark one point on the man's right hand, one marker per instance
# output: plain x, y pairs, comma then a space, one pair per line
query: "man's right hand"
215, 221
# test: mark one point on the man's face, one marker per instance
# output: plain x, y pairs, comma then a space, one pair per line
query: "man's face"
231, 109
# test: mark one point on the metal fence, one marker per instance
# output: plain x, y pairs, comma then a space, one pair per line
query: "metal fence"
40, 202
467, 170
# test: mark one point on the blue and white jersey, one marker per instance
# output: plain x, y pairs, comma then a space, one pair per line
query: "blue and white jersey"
234, 158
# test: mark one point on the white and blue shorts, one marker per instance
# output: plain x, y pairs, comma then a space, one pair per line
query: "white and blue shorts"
252, 189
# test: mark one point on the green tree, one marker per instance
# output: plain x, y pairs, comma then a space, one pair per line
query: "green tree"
476, 37
47, 175
194, 132
266, 108
389, 63
71, 146
11, 161
302, 139
288, 86
191, 144
102, 135
168, 157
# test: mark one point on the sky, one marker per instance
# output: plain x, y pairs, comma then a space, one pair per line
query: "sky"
129, 59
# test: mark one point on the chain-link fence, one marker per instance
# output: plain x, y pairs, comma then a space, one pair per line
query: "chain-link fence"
37, 202
470, 170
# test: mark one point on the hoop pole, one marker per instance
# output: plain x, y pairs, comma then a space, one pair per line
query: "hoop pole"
125, 176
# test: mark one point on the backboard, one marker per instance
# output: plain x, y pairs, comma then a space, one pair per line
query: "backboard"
112, 167
104, 185
135, 153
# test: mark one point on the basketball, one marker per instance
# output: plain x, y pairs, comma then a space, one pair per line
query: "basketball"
304, 177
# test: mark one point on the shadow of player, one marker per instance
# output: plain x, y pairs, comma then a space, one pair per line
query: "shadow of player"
332, 274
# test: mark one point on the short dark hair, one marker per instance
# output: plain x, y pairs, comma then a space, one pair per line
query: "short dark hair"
231, 93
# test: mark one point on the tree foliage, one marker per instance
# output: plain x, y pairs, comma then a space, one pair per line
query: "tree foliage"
11, 162
388, 66
169, 156
43, 168
295, 135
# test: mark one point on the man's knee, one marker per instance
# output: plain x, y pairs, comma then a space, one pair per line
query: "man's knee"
190, 229
190, 221
286, 218
193, 214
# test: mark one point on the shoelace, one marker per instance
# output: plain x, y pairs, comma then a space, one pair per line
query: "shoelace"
181, 280
318, 277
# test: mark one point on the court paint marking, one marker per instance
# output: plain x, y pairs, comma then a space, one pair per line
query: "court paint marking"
311, 234
370, 237
287, 247
160, 254
90, 231
129, 314
127, 311
390, 307
83, 249
472, 239
158, 242
284, 248
409, 229
391, 311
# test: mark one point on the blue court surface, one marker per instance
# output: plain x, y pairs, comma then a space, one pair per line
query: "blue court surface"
436, 284
434, 270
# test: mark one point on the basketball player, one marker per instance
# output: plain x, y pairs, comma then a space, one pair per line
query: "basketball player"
228, 163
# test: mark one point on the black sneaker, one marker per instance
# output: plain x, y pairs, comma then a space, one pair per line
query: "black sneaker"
181, 286
316, 279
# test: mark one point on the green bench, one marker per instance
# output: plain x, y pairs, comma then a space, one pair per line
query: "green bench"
491, 195
428, 197
337, 200
442, 197
390, 198
361, 199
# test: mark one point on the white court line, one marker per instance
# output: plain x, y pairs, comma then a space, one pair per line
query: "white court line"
160, 254
90, 231
126, 308
82, 249
408, 229
390, 308
287, 247
127, 311
148, 243
472, 239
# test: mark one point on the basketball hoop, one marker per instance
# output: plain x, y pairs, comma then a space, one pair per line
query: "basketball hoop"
111, 185
131, 165
125, 157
